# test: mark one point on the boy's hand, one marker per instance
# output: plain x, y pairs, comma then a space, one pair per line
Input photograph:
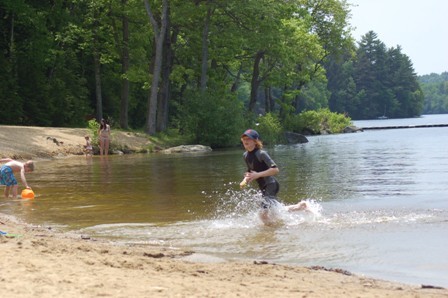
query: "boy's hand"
252, 175
243, 183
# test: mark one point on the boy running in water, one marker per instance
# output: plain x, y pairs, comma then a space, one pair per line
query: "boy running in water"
261, 168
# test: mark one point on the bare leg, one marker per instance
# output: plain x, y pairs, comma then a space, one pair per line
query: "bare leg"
297, 207
264, 216
101, 145
268, 217
7, 188
14, 191
106, 147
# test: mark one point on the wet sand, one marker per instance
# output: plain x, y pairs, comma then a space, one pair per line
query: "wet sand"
41, 262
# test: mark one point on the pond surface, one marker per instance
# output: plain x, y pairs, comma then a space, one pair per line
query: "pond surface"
379, 200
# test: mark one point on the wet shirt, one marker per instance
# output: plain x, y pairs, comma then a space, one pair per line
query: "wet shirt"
259, 161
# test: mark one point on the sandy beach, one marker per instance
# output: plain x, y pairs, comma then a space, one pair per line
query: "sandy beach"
31, 142
39, 261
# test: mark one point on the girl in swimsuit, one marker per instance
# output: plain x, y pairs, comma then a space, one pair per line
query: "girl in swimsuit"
104, 135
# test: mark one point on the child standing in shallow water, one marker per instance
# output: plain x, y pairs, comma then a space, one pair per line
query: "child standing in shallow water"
7, 172
261, 168
88, 147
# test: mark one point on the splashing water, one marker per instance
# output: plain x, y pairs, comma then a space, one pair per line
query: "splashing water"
327, 233
241, 205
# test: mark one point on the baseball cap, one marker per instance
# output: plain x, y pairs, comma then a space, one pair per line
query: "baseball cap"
253, 134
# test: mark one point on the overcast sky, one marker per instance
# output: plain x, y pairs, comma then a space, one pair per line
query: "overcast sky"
420, 27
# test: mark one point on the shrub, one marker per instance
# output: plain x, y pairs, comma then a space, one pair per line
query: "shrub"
270, 129
93, 127
315, 122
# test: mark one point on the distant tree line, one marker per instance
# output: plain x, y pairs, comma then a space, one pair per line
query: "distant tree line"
435, 88
375, 82
202, 68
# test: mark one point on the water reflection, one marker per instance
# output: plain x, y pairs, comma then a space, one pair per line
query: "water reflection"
105, 170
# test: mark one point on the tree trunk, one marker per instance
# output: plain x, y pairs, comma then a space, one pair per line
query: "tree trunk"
205, 49
255, 83
271, 100
296, 104
98, 92
12, 50
236, 83
158, 37
267, 99
124, 123
165, 94
283, 100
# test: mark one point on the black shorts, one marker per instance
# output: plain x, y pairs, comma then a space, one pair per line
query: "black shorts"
268, 202
270, 195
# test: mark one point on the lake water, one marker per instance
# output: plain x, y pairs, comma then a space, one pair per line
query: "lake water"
379, 201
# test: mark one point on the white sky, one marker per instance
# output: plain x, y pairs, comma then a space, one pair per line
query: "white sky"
420, 27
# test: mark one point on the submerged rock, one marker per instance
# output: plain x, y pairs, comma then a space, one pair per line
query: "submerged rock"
350, 129
295, 138
187, 149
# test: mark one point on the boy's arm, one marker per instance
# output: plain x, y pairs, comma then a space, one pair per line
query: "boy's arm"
252, 175
22, 176
269, 172
5, 159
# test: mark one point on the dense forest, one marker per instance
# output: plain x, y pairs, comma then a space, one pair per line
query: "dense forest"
435, 88
201, 68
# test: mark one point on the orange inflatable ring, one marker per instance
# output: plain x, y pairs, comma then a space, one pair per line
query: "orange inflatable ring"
27, 194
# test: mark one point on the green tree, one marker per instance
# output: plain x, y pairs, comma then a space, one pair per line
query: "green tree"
159, 35
341, 83
371, 77
385, 81
435, 90
44, 85
408, 97
206, 119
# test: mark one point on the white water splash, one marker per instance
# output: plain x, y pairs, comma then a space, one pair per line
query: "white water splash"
238, 207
